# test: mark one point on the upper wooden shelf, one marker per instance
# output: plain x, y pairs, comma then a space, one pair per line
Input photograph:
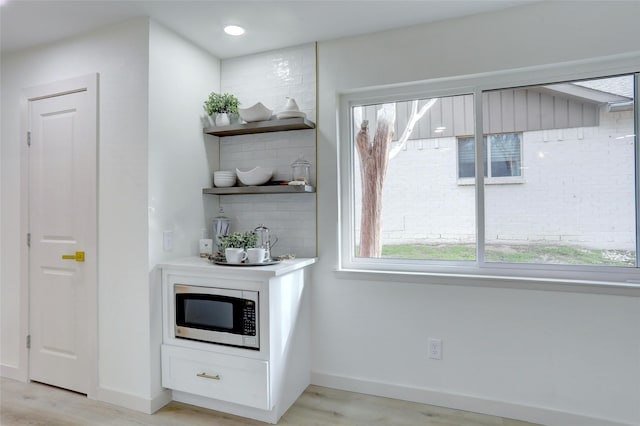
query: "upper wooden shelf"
263, 189
261, 127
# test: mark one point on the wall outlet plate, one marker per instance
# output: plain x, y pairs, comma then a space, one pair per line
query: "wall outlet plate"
435, 348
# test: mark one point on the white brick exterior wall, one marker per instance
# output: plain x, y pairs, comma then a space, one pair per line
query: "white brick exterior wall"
577, 188
269, 78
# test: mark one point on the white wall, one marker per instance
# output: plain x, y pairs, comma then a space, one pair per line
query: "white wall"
120, 55
153, 163
181, 159
429, 205
551, 357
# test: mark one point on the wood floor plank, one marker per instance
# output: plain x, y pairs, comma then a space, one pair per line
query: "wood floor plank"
34, 404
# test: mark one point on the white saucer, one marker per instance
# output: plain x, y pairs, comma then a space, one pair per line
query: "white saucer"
291, 114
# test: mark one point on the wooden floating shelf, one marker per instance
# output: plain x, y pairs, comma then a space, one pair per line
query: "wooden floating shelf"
266, 189
261, 127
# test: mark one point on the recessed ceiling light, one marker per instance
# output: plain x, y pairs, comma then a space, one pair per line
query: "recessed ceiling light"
234, 30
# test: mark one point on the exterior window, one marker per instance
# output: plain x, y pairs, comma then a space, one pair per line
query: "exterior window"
571, 148
578, 204
503, 149
403, 175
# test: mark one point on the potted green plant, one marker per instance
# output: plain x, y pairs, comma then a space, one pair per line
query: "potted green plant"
220, 106
243, 240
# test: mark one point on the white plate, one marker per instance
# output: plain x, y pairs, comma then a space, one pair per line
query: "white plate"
291, 114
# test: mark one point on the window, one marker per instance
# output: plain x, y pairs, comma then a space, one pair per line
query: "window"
503, 149
571, 146
403, 194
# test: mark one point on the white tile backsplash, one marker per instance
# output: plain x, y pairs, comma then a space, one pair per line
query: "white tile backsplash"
291, 218
270, 78
276, 150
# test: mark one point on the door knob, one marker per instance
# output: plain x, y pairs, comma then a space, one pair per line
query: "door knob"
78, 257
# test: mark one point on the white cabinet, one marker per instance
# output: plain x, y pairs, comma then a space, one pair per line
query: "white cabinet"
260, 384
235, 379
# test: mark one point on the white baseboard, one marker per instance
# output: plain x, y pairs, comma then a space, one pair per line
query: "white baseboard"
267, 416
134, 402
111, 396
540, 415
160, 400
14, 373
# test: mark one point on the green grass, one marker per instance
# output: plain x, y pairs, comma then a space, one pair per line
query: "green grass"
533, 253
426, 251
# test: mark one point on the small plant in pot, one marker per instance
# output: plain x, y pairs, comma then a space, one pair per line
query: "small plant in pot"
220, 106
241, 240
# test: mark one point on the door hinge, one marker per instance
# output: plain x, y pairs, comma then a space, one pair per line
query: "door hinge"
29, 239
28, 138
28, 341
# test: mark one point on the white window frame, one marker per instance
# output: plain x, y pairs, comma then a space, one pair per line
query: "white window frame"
478, 272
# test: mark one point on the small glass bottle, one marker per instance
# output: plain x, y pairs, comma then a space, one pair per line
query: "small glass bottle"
300, 171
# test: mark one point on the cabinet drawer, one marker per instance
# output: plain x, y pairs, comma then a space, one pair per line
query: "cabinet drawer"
228, 378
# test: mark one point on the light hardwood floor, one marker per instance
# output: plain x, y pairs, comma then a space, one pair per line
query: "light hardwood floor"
35, 404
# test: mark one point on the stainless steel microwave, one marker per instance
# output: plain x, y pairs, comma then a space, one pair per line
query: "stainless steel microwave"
217, 315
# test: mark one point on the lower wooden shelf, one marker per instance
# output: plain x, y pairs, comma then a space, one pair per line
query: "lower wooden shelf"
265, 189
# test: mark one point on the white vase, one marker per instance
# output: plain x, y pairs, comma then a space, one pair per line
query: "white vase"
222, 119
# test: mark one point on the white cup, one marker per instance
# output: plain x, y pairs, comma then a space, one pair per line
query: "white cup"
235, 255
256, 255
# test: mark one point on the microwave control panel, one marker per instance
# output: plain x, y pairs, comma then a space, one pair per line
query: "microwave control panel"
249, 318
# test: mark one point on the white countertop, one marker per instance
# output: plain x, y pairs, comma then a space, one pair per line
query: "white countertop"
197, 264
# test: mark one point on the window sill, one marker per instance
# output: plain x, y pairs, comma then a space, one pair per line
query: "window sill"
629, 287
511, 180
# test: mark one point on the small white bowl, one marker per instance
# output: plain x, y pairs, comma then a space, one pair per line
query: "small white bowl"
224, 182
255, 176
224, 178
257, 112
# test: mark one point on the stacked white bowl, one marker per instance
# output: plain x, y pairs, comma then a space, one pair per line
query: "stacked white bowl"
224, 179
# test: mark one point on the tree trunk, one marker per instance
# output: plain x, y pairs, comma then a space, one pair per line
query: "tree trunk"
374, 159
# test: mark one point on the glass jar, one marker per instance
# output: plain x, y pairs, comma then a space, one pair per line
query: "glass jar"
221, 225
263, 240
300, 170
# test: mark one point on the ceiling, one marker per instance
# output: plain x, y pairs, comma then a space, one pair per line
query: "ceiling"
269, 24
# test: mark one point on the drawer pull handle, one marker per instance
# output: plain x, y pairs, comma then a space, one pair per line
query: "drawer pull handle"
207, 376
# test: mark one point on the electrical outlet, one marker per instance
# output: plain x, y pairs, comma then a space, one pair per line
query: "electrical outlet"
435, 348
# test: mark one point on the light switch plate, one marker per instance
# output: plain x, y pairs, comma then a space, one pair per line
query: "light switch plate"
167, 240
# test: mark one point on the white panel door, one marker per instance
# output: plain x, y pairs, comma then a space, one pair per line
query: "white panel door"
62, 222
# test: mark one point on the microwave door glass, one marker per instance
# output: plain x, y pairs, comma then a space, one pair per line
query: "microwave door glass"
208, 314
